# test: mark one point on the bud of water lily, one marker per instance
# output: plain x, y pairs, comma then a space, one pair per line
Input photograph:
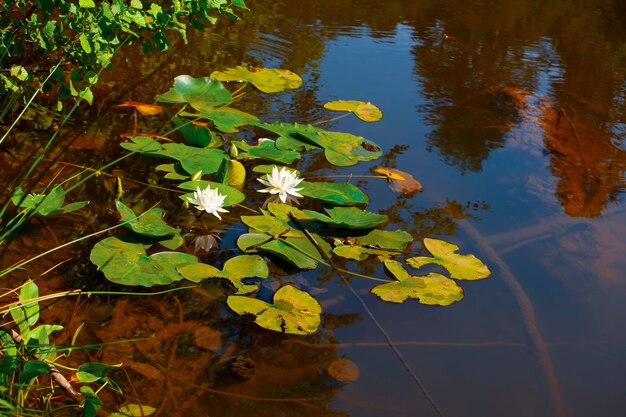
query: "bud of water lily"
233, 151
196, 176
186, 204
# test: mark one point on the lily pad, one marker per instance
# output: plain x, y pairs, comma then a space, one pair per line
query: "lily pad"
268, 80
194, 159
342, 194
127, 263
49, 204
432, 289
365, 111
203, 94
464, 267
298, 251
271, 225
341, 149
265, 149
235, 270
232, 173
142, 144
359, 253
293, 311
351, 217
233, 196
397, 239
197, 134
226, 119
399, 181
150, 223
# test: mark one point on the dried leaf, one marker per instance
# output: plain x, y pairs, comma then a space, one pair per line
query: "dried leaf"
399, 181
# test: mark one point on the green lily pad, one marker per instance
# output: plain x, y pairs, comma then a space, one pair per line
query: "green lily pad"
342, 194
363, 110
142, 144
298, 251
268, 80
227, 119
350, 217
150, 223
174, 171
398, 239
232, 173
194, 159
197, 134
271, 225
359, 253
341, 149
49, 204
267, 169
233, 196
432, 289
203, 94
465, 267
235, 270
127, 263
293, 311
267, 150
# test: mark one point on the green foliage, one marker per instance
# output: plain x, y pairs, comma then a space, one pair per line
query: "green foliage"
334, 221
45, 204
363, 110
466, 267
293, 311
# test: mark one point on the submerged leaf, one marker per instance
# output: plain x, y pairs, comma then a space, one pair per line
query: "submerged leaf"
293, 311
268, 80
464, 267
343, 370
203, 94
432, 289
363, 110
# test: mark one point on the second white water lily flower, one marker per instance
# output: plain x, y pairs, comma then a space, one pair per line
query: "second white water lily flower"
282, 182
209, 200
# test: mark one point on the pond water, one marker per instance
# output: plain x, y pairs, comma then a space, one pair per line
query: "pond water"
512, 115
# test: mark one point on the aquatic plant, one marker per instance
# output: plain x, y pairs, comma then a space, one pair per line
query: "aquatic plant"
333, 222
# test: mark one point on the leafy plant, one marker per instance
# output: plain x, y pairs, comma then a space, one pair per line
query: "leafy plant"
333, 222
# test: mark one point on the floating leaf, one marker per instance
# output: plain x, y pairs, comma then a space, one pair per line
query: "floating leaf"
45, 204
432, 289
128, 264
134, 410
174, 171
399, 181
232, 173
341, 149
398, 239
143, 108
235, 270
293, 311
271, 225
194, 159
465, 267
150, 223
142, 144
342, 194
268, 80
363, 110
233, 196
343, 370
203, 94
197, 135
227, 119
351, 217
298, 251
265, 149
359, 253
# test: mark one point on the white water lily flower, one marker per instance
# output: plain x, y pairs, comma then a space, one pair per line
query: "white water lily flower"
209, 200
282, 182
